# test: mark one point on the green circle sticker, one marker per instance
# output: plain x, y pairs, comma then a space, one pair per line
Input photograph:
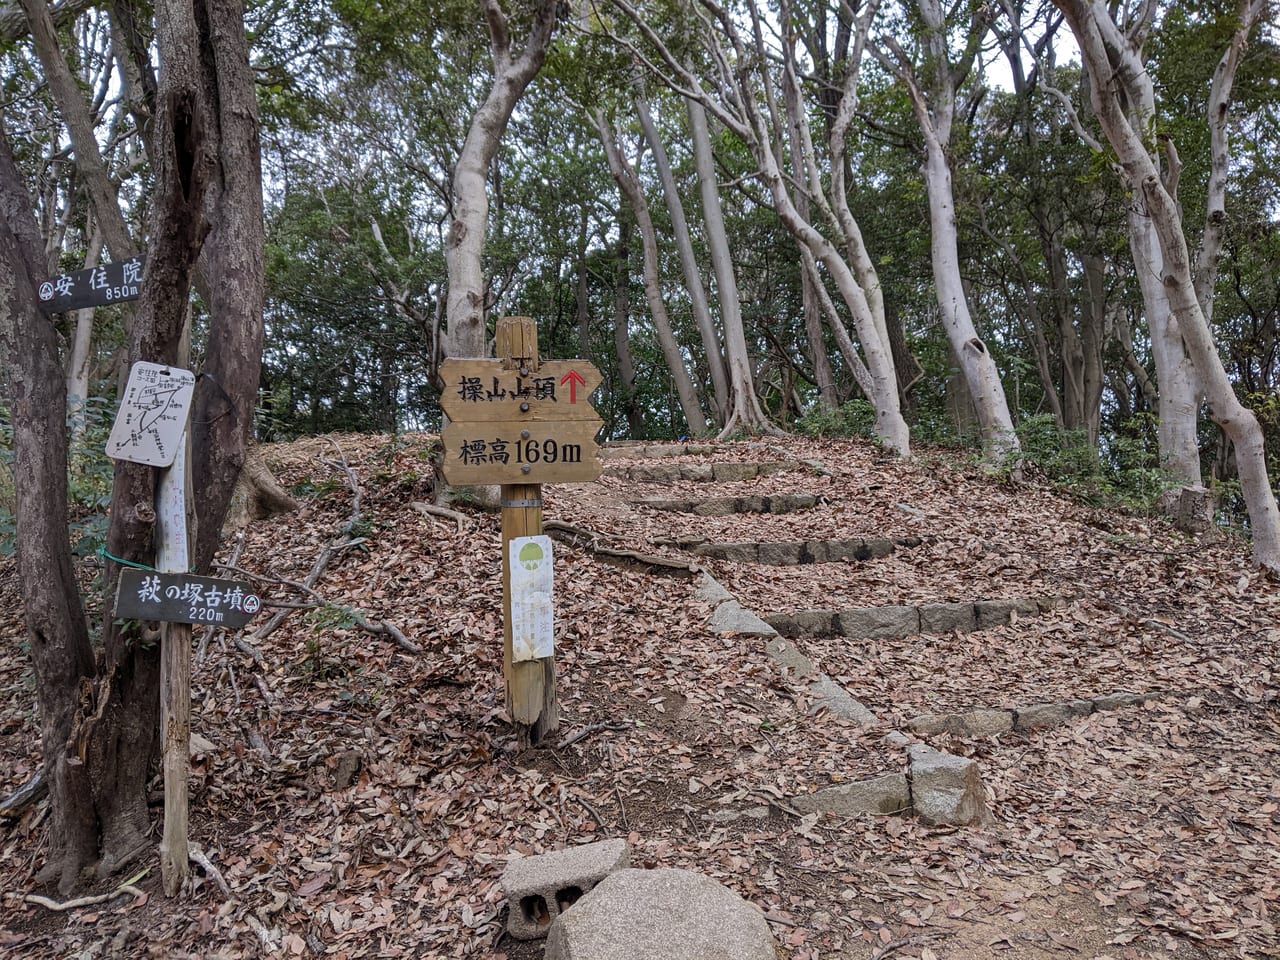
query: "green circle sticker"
531, 556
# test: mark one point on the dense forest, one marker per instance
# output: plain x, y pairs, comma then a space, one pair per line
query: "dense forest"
1046, 233
883, 217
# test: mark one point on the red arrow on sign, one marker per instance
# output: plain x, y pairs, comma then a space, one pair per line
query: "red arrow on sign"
574, 379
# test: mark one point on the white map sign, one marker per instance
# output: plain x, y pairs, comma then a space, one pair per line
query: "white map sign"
532, 614
152, 415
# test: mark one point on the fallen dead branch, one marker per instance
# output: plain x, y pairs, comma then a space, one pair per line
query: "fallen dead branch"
590, 729
343, 541
199, 857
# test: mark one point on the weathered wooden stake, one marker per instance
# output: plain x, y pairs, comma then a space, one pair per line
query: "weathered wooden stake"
530, 684
173, 556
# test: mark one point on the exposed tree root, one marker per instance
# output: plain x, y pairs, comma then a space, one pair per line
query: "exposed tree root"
62, 906
29, 793
584, 538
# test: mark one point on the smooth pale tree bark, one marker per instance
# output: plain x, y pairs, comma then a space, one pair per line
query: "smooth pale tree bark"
13, 18
465, 334
78, 359
744, 411
810, 279
840, 105
1119, 82
738, 68
688, 260
622, 328
629, 183
933, 92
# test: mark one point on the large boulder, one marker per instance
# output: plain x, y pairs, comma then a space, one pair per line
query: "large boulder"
660, 915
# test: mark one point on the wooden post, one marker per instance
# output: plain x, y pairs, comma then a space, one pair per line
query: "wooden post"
173, 556
530, 684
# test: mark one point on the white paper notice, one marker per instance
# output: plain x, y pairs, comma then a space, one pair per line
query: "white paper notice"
532, 615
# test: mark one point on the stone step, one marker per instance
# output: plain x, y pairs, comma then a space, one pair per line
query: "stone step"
895, 622
727, 506
647, 451
705, 472
983, 722
795, 553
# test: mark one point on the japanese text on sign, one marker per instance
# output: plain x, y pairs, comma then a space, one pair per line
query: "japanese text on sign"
93, 287
474, 390
181, 598
531, 452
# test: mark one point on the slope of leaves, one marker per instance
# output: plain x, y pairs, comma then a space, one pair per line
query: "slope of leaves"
360, 800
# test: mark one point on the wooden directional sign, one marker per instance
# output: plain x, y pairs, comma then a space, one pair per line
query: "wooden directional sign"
94, 287
484, 390
182, 598
562, 451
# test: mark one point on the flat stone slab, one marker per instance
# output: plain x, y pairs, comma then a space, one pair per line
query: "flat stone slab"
983, 722
647, 451
884, 796
540, 888
728, 506
974, 723
896, 622
732, 617
661, 915
1037, 715
829, 695
787, 553
704, 472
787, 656
710, 589
879, 623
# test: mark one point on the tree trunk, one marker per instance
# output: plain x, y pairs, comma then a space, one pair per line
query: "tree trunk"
745, 412
934, 104
999, 441
75, 113
98, 765
465, 334
1178, 400
258, 494
688, 263
81, 344
57, 635
671, 353
226, 394
622, 330
737, 106
1119, 81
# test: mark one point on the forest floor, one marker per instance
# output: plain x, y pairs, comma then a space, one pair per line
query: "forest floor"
360, 800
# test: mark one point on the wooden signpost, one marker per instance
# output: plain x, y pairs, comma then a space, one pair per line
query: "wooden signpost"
521, 423
151, 428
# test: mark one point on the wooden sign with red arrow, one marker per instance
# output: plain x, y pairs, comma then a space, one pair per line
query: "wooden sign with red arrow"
483, 390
